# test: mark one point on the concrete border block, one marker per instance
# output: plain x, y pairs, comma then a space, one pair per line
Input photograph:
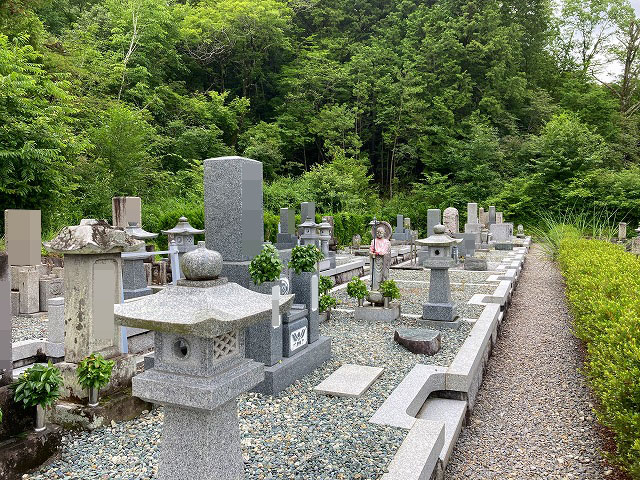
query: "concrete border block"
452, 413
401, 407
418, 455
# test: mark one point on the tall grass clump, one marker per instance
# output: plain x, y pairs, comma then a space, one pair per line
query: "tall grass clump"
553, 228
603, 291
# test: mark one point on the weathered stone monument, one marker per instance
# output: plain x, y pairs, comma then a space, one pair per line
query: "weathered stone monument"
440, 307
184, 236
433, 219
401, 233
125, 210
23, 236
473, 224
287, 235
501, 232
520, 231
308, 210
499, 218
200, 370
6, 363
622, 231
134, 276
92, 278
451, 220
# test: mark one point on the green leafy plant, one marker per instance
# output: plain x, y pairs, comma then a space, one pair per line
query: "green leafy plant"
304, 258
325, 284
94, 371
0, 415
39, 385
356, 288
266, 266
326, 302
389, 289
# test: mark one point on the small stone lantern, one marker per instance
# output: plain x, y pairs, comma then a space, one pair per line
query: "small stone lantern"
325, 237
309, 232
134, 276
439, 246
199, 367
183, 234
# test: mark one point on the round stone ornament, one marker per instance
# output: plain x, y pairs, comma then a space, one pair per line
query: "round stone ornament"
201, 263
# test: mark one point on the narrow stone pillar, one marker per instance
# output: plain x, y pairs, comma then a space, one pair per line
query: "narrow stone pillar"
433, 219
55, 317
6, 364
492, 215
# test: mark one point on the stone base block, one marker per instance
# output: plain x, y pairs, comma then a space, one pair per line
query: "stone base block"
378, 314
283, 374
419, 340
123, 370
120, 406
504, 246
263, 343
440, 324
475, 264
22, 453
445, 312
140, 292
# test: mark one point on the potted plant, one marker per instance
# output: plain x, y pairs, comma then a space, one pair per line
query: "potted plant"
94, 372
38, 387
304, 258
356, 288
326, 301
266, 266
389, 291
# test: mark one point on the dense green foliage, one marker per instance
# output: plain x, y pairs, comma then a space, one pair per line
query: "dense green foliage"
325, 284
305, 258
603, 289
356, 288
266, 266
389, 289
372, 107
326, 302
38, 385
94, 371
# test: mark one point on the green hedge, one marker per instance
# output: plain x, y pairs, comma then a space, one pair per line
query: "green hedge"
603, 289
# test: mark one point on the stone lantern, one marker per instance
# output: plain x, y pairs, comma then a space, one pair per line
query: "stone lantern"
309, 232
134, 276
183, 234
199, 367
325, 236
92, 276
438, 258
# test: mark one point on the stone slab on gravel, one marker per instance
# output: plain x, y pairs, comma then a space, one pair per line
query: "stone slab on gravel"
349, 380
452, 413
418, 455
378, 314
418, 340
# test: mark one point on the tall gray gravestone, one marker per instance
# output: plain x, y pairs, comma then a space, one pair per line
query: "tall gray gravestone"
492, 215
23, 236
234, 221
125, 210
433, 219
6, 364
287, 236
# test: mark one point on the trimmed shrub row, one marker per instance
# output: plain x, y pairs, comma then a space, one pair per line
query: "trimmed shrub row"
603, 290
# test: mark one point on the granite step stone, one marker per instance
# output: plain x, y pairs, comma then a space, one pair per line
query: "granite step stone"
349, 380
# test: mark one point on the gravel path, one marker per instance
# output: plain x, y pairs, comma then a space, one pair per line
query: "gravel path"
533, 416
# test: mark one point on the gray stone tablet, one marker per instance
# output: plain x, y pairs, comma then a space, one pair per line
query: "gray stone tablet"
349, 380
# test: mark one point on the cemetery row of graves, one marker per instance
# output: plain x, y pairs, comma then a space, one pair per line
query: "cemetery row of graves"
235, 358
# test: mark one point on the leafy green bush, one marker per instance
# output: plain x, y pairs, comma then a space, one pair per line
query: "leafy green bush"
39, 385
304, 258
94, 371
266, 266
356, 288
389, 289
603, 290
325, 284
326, 302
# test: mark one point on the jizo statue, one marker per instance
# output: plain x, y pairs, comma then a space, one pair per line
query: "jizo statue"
380, 253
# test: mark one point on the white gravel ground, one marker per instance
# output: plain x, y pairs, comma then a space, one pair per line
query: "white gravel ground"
533, 416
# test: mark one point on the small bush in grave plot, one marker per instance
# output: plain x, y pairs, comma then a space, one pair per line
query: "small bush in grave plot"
603, 289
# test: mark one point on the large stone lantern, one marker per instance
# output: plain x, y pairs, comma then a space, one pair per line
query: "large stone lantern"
183, 233
438, 258
134, 276
325, 236
200, 367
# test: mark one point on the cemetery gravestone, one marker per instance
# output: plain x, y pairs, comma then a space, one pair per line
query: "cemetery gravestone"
499, 217
433, 219
23, 236
622, 231
492, 215
6, 363
501, 232
451, 220
125, 210
287, 236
